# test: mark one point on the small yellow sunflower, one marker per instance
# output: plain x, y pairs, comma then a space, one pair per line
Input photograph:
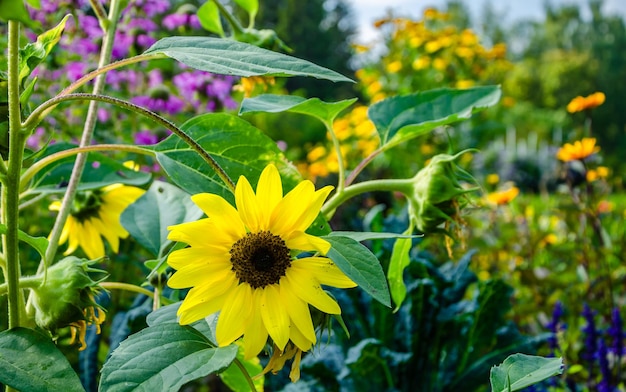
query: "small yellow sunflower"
240, 261
580, 150
581, 103
503, 197
96, 214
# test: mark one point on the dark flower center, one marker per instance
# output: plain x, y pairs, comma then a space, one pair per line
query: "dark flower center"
87, 205
260, 259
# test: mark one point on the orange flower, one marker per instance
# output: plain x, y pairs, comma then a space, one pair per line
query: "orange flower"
503, 197
581, 149
580, 103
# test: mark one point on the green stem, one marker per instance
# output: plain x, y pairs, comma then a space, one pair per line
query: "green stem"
10, 190
88, 129
156, 118
401, 185
130, 287
234, 24
39, 165
27, 282
246, 375
359, 168
101, 14
341, 181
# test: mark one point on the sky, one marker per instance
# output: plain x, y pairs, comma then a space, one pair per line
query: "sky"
367, 11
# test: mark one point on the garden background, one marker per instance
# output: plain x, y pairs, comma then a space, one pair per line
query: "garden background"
532, 262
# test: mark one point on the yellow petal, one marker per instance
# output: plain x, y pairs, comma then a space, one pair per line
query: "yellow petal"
247, 205
202, 232
223, 215
199, 274
202, 301
110, 235
303, 241
275, 316
181, 258
300, 340
298, 209
298, 310
90, 241
255, 336
269, 192
73, 227
309, 290
324, 270
234, 316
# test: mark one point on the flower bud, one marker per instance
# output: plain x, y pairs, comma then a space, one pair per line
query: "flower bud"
66, 298
437, 193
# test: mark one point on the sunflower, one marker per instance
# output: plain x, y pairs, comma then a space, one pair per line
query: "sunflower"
96, 214
240, 261
580, 150
580, 103
503, 197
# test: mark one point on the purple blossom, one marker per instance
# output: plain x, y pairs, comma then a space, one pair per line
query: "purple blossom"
75, 70
122, 45
146, 137
591, 335
145, 41
174, 21
143, 24
35, 141
555, 325
616, 332
152, 7
605, 383
171, 104
103, 115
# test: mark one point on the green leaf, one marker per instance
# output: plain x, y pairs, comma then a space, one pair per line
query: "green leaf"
163, 357
40, 244
369, 235
251, 7
234, 378
398, 262
228, 57
34, 53
398, 119
168, 205
100, 171
237, 146
520, 370
209, 17
34, 3
14, 10
272, 103
29, 361
360, 265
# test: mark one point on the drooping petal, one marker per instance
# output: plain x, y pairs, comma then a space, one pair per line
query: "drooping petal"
90, 241
73, 227
223, 215
247, 205
300, 340
255, 335
324, 270
303, 241
269, 192
298, 310
275, 316
309, 290
109, 234
234, 316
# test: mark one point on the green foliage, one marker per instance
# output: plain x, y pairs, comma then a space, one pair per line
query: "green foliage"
14, 10
271, 103
519, 371
30, 361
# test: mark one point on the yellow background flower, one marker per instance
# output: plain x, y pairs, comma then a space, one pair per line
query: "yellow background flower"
580, 103
581, 149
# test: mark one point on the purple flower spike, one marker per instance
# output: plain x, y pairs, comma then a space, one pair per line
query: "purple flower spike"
591, 335
616, 332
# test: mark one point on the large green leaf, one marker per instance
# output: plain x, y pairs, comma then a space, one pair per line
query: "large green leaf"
239, 148
228, 57
168, 205
14, 10
272, 103
29, 361
360, 265
520, 370
100, 171
163, 357
34, 53
251, 7
398, 262
398, 119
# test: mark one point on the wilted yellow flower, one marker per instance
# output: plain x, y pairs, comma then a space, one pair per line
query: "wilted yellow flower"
580, 150
503, 197
240, 261
580, 103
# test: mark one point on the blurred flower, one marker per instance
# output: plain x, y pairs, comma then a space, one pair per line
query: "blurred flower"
580, 150
580, 103
96, 214
493, 179
250, 84
245, 268
66, 299
503, 197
